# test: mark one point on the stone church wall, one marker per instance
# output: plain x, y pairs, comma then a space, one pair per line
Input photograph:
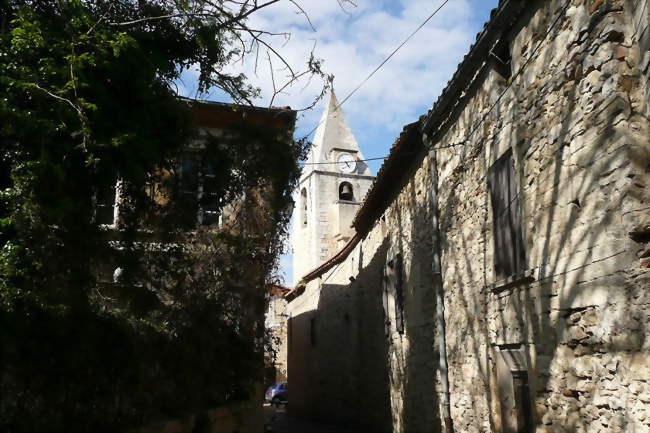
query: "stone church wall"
577, 323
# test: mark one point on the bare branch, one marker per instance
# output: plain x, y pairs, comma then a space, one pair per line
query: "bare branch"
269, 47
304, 13
239, 17
275, 93
342, 4
164, 17
110, 8
60, 98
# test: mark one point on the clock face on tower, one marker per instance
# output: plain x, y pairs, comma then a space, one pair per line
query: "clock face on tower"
346, 163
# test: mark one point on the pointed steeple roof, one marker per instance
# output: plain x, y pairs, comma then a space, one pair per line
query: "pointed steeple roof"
333, 132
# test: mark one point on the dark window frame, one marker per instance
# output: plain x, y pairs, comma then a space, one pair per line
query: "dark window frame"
399, 293
385, 286
106, 204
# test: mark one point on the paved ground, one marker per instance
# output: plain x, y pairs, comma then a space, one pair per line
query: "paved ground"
277, 421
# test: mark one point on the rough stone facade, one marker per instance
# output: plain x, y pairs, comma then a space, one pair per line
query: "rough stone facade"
275, 359
563, 345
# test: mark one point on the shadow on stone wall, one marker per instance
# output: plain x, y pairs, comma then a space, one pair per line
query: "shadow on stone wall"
581, 155
415, 364
584, 321
343, 364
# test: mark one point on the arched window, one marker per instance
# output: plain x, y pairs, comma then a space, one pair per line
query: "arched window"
346, 192
303, 206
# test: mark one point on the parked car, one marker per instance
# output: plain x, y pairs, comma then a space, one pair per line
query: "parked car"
278, 393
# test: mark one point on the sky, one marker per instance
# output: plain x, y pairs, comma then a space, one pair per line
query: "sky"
352, 41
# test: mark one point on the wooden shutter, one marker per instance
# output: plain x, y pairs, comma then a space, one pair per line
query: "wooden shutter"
399, 295
384, 299
509, 254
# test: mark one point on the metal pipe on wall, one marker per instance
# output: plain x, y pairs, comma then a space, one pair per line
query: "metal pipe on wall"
439, 292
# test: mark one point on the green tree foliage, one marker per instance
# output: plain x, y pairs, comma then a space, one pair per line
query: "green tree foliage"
87, 96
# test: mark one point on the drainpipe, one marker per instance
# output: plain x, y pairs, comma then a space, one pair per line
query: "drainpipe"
438, 290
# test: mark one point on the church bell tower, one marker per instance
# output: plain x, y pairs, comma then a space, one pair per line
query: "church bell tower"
332, 186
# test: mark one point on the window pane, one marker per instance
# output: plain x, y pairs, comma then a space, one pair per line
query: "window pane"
104, 212
189, 174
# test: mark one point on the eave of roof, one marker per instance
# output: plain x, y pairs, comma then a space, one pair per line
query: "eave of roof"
502, 18
238, 107
387, 183
211, 114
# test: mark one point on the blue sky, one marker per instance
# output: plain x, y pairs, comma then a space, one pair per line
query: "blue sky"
352, 42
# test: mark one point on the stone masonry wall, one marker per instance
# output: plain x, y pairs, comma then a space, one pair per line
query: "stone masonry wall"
337, 359
580, 143
576, 121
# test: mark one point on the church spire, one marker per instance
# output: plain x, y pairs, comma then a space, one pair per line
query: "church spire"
333, 132
332, 187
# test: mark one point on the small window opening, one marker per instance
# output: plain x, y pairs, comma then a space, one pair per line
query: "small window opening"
312, 331
501, 58
393, 295
210, 207
399, 295
199, 191
303, 205
346, 192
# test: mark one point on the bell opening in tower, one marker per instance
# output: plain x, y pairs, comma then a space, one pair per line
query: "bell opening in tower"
346, 192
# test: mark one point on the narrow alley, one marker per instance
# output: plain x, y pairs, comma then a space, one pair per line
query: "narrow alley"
277, 421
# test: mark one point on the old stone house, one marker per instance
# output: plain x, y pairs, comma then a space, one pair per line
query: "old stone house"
496, 279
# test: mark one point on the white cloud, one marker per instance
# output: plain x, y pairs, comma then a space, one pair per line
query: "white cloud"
353, 44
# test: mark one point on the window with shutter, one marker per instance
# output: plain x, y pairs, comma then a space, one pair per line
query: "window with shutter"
399, 295
384, 299
393, 296
509, 254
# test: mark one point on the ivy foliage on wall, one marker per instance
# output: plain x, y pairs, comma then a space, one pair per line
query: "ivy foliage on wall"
85, 99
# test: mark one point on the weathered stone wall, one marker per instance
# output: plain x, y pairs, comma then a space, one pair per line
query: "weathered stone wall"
338, 354
580, 146
576, 121
276, 326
